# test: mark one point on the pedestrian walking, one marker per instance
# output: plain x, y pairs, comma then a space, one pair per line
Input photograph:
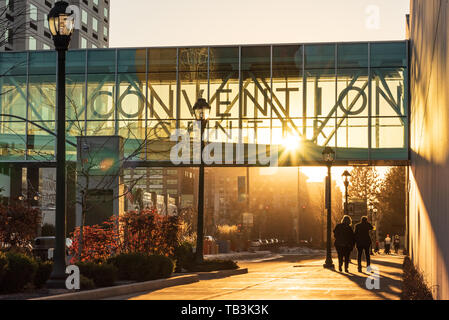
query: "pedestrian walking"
396, 243
387, 244
363, 242
344, 242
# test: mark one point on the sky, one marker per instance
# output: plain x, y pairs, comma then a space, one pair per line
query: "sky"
147, 23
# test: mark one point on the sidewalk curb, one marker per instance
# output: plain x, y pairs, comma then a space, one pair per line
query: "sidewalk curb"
221, 274
126, 289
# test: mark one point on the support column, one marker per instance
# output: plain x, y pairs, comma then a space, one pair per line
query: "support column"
15, 186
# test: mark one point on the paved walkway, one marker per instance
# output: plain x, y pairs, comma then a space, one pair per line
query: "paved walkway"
291, 278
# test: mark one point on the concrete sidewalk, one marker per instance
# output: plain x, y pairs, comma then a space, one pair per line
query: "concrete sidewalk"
292, 278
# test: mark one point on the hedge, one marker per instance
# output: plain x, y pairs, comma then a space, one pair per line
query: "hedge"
214, 265
43, 273
184, 256
86, 283
141, 267
103, 275
20, 271
3, 265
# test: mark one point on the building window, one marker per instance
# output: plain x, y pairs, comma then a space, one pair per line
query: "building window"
105, 31
95, 24
33, 12
172, 181
46, 47
94, 46
96, 2
46, 21
32, 43
106, 12
83, 43
84, 16
172, 191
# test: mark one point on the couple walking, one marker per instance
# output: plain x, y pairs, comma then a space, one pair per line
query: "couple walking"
346, 238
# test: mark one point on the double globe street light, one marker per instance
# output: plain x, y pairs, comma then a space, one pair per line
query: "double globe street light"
61, 25
201, 110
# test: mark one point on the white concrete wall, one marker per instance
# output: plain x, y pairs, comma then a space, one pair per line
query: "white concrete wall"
429, 171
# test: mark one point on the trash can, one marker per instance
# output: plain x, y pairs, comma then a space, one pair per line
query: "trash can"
41, 246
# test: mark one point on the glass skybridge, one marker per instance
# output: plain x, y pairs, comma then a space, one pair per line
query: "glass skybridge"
352, 97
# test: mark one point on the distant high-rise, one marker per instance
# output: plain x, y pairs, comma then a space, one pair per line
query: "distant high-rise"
26, 28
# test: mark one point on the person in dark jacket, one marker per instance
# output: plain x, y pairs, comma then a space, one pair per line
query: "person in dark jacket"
344, 241
363, 241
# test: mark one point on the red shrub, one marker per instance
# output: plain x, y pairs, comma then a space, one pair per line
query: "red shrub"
144, 232
99, 242
18, 225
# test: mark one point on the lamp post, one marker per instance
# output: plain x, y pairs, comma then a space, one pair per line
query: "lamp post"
61, 27
376, 232
328, 158
202, 111
346, 175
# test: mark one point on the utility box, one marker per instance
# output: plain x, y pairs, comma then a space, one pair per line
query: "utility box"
99, 174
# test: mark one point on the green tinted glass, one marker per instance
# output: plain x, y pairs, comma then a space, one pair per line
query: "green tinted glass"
101, 61
13, 63
353, 55
320, 56
388, 54
132, 60
76, 61
43, 62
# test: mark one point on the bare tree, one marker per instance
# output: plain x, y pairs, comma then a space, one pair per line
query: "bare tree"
13, 21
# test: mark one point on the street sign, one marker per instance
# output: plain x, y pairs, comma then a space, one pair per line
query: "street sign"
357, 209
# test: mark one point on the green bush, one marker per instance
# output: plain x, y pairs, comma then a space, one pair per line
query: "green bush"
3, 265
19, 272
184, 257
164, 266
43, 273
48, 230
86, 283
141, 267
103, 275
214, 265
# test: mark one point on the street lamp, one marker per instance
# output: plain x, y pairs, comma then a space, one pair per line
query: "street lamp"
328, 158
346, 175
61, 26
201, 110
376, 232
29, 198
